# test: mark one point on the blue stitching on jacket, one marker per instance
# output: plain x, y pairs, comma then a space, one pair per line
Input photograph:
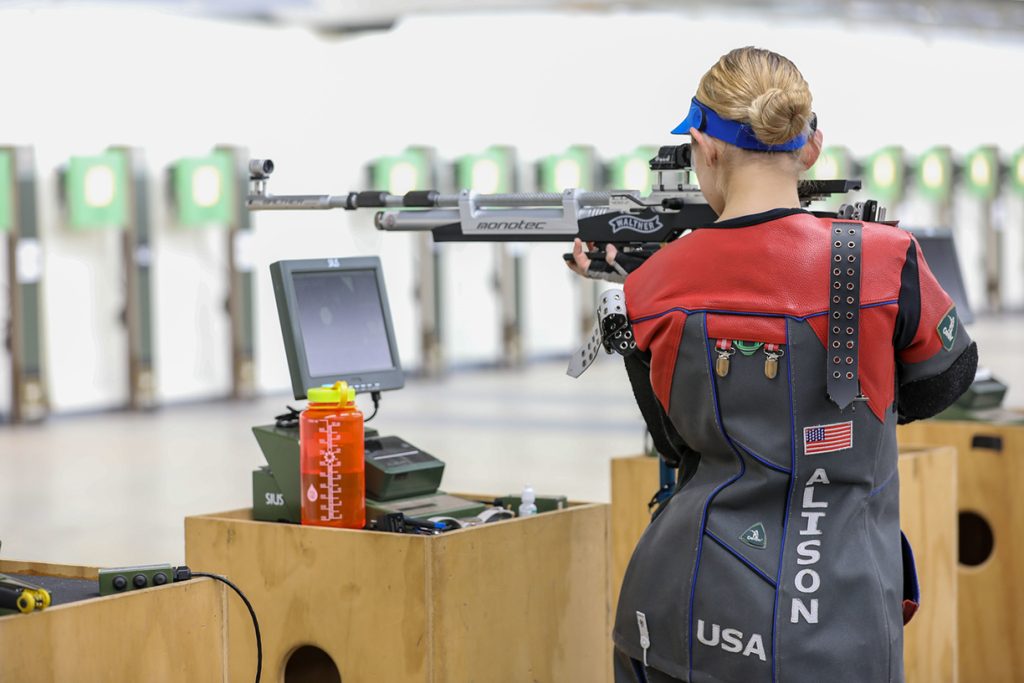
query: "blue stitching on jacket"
750, 565
875, 492
711, 498
767, 463
789, 504
798, 318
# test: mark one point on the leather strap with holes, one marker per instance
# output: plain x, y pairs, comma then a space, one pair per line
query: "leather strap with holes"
844, 313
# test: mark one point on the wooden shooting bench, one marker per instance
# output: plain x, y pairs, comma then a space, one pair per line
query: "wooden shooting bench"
990, 506
169, 633
516, 600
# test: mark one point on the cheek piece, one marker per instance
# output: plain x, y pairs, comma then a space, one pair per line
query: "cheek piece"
704, 119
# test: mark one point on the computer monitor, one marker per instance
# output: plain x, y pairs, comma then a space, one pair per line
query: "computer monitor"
940, 252
336, 324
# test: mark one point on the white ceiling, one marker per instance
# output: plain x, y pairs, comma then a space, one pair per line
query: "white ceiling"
990, 16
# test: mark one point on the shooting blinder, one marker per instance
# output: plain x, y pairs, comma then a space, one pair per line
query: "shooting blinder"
706, 120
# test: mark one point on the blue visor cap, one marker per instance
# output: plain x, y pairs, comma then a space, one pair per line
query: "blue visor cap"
704, 119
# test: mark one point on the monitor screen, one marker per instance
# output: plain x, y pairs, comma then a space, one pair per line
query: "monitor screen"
336, 324
342, 322
940, 253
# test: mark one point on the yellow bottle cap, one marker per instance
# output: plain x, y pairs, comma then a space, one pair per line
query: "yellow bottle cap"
351, 395
332, 394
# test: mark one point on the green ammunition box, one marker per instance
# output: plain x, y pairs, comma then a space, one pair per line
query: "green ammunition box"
268, 501
280, 446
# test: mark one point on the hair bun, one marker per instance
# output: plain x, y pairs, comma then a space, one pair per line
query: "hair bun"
777, 116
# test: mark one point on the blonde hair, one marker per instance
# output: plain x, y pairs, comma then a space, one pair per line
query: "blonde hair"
762, 89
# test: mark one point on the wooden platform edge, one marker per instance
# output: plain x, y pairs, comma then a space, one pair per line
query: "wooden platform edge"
64, 571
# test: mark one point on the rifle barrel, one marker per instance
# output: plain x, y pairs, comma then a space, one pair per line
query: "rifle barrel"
295, 202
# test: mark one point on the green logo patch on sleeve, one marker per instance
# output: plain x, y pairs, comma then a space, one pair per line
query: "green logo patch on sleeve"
947, 329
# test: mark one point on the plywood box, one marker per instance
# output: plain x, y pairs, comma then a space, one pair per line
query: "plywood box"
634, 482
170, 633
990, 495
928, 483
927, 515
520, 600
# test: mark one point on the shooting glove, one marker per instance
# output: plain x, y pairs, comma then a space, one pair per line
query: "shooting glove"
625, 263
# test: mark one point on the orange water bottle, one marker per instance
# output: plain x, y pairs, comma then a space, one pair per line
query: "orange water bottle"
332, 467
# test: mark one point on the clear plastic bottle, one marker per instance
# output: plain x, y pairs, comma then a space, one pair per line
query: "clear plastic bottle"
529, 505
332, 468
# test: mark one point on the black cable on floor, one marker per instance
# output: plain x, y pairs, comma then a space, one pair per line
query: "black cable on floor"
252, 613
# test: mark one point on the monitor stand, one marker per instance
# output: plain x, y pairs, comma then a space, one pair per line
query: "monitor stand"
399, 478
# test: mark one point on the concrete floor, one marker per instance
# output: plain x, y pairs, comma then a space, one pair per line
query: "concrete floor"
113, 489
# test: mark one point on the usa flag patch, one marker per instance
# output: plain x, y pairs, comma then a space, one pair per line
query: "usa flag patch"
828, 438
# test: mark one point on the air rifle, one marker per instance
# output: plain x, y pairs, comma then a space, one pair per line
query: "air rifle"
626, 218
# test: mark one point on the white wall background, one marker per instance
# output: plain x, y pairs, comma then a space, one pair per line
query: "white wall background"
78, 80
